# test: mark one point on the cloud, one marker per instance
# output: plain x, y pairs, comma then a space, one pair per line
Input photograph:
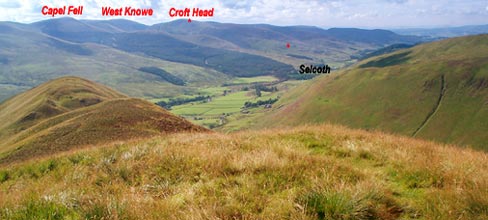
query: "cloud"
9, 4
324, 13
397, 1
232, 4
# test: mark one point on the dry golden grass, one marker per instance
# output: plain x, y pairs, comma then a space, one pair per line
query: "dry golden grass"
45, 101
309, 172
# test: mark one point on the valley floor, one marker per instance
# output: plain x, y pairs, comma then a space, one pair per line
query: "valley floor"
310, 172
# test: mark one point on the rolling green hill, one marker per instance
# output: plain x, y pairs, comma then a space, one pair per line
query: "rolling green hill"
72, 112
51, 99
436, 91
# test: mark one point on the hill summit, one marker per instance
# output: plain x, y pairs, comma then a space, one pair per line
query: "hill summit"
71, 112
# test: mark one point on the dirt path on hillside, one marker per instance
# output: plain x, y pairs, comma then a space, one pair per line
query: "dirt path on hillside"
435, 109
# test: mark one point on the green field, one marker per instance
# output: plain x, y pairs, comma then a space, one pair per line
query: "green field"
209, 113
231, 104
225, 104
258, 79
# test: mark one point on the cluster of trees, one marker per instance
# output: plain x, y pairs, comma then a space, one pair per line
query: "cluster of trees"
264, 88
164, 75
247, 65
260, 87
180, 101
260, 103
302, 76
299, 56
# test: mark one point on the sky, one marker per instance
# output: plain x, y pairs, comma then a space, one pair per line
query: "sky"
321, 13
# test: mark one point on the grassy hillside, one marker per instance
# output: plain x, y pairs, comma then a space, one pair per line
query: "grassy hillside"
321, 172
50, 99
436, 91
72, 112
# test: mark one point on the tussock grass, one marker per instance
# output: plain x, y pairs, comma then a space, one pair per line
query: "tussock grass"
310, 172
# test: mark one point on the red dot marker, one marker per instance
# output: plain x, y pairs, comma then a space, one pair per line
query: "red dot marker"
288, 45
189, 20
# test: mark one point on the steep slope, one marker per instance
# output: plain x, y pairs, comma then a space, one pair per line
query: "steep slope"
311, 172
436, 91
71, 112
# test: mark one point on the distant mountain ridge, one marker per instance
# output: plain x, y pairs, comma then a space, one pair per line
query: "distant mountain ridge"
445, 32
209, 36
